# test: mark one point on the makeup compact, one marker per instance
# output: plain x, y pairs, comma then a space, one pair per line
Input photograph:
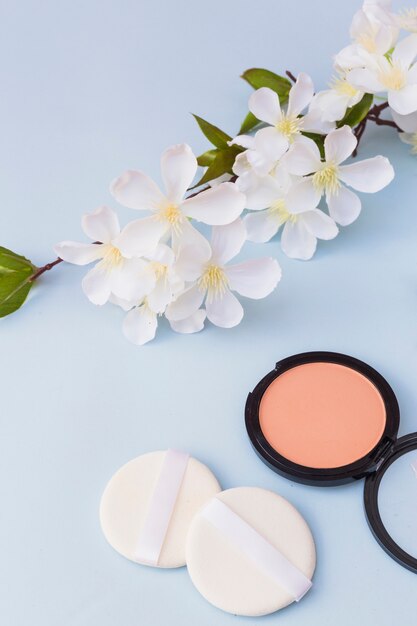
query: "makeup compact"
323, 418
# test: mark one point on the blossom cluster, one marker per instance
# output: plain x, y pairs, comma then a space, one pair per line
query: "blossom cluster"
288, 174
161, 264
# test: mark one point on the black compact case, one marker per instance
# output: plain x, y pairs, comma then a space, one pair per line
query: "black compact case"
372, 467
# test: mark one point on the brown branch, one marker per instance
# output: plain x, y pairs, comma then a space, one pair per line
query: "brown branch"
45, 268
358, 132
373, 115
382, 122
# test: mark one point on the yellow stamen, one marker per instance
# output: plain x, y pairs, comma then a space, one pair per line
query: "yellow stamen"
326, 179
112, 258
343, 87
289, 126
214, 281
393, 77
368, 42
279, 212
171, 214
160, 269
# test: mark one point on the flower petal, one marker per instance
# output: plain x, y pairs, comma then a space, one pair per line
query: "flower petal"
191, 261
303, 158
264, 104
263, 194
192, 324
217, 206
140, 237
178, 168
227, 241
344, 207
245, 141
187, 237
136, 190
79, 253
163, 254
255, 279
96, 284
132, 280
407, 123
365, 80
126, 305
101, 225
261, 226
370, 175
339, 144
320, 224
302, 196
271, 144
161, 295
185, 305
404, 101
406, 50
226, 311
140, 325
300, 95
297, 242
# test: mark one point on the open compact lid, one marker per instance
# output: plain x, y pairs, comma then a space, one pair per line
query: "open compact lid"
391, 502
324, 418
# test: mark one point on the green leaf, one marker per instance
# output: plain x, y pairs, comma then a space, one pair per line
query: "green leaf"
354, 115
318, 140
216, 136
258, 78
222, 164
205, 159
15, 280
248, 123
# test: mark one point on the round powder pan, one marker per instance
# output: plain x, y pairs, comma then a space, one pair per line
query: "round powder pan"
325, 419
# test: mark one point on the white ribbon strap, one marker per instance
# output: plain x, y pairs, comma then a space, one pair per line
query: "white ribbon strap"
161, 507
263, 554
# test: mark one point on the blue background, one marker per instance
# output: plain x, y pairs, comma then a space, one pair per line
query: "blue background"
89, 89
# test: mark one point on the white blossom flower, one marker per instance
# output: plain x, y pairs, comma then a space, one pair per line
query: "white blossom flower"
326, 177
408, 123
141, 322
292, 206
213, 280
114, 273
374, 30
396, 74
333, 103
170, 211
284, 126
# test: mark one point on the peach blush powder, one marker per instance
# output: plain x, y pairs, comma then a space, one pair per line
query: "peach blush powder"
322, 415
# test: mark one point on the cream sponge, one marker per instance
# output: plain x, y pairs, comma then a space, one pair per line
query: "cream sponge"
250, 552
148, 505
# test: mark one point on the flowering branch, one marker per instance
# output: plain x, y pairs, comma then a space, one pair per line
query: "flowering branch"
284, 170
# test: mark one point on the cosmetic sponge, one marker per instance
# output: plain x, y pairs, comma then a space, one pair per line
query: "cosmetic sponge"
250, 552
147, 506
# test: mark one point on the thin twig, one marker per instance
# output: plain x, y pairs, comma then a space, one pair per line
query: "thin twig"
45, 268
